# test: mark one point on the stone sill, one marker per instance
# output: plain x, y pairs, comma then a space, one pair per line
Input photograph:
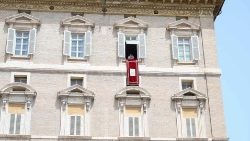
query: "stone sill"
134, 138
66, 138
191, 139
15, 137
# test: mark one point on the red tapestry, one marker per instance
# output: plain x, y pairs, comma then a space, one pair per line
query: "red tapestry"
132, 72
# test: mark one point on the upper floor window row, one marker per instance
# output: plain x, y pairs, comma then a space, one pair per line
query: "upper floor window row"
77, 41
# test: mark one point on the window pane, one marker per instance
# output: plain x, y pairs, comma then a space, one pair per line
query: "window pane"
18, 123
17, 52
136, 126
78, 125
80, 54
188, 127
74, 36
26, 34
72, 125
73, 54
130, 123
193, 128
12, 123
18, 34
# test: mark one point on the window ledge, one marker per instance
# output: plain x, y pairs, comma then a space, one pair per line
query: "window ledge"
20, 57
15, 137
77, 59
74, 137
186, 63
134, 138
192, 139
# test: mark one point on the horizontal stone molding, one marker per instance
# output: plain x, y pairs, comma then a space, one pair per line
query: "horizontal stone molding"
121, 70
166, 8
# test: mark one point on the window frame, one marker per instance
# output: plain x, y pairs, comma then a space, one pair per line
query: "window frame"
22, 74
21, 46
184, 49
77, 53
83, 76
193, 79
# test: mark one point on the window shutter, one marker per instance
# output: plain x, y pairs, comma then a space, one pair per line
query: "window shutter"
195, 47
174, 39
32, 41
88, 43
67, 43
142, 45
11, 40
121, 45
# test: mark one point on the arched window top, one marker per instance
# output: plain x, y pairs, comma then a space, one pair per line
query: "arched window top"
16, 87
133, 92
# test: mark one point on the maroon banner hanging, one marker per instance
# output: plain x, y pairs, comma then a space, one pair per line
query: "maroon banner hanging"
132, 72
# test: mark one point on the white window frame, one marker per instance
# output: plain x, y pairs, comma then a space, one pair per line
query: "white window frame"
21, 49
184, 49
184, 124
193, 79
127, 125
84, 36
83, 76
22, 122
14, 74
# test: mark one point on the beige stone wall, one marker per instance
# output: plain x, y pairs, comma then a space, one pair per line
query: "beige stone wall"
104, 120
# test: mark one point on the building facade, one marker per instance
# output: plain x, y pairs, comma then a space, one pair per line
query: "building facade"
110, 70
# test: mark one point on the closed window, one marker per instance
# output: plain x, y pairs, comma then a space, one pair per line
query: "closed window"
75, 125
186, 84
75, 118
16, 114
20, 79
133, 121
185, 49
22, 43
190, 119
77, 47
76, 81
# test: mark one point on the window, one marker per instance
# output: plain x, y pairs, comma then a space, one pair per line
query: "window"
129, 15
77, 47
131, 45
133, 111
77, 40
77, 13
190, 118
131, 39
21, 38
76, 80
133, 117
75, 113
16, 113
16, 110
181, 17
76, 102
184, 49
186, 84
190, 113
22, 42
24, 11
20, 79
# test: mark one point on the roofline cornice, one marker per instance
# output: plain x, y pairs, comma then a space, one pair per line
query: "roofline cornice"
164, 8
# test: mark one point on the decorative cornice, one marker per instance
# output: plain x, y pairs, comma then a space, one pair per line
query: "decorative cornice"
140, 7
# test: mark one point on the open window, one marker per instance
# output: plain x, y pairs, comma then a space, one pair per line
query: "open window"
21, 39
17, 100
131, 38
184, 41
190, 113
76, 103
133, 103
